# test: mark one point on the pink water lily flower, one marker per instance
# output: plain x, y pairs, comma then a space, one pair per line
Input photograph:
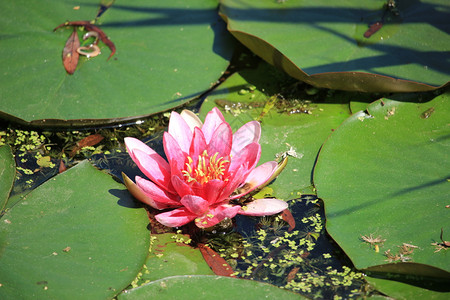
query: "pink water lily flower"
207, 166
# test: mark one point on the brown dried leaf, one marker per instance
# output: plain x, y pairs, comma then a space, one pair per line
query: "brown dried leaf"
62, 166
90, 140
70, 55
90, 27
217, 264
373, 29
292, 274
286, 215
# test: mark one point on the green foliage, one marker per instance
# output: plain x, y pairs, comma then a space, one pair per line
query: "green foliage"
148, 74
381, 168
7, 172
171, 255
199, 287
79, 232
404, 291
383, 175
322, 43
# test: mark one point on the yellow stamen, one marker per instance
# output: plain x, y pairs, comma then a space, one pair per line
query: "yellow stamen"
207, 168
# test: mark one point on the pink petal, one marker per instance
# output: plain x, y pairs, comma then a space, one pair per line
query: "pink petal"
154, 167
181, 187
197, 188
198, 145
249, 156
180, 131
212, 191
257, 177
134, 144
235, 180
196, 205
140, 195
161, 197
175, 155
213, 119
263, 207
247, 134
221, 141
217, 214
191, 119
175, 218
152, 164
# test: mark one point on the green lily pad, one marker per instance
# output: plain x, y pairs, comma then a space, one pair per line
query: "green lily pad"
299, 135
403, 291
167, 54
195, 287
323, 43
384, 175
77, 236
170, 256
7, 173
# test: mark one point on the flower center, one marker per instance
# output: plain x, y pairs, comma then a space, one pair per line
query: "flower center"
206, 168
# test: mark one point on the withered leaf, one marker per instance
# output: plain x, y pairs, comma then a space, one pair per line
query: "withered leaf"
286, 215
70, 55
90, 140
62, 166
90, 27
373, 29
217, 264
291, 275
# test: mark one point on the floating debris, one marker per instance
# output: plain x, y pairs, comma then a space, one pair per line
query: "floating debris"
426, 114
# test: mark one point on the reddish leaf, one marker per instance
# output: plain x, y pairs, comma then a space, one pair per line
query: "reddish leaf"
90, 140
217, 264
292, 274
70, 55
287, 216
91, 27
305, 254
62, 166
372, 29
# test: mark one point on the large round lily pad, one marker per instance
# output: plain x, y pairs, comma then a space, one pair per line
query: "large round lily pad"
323, 43
193, 287
384, 175
77, 236
167, 53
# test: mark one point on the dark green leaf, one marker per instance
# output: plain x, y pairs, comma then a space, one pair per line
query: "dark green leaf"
77, 236
385, 174
7, 174
404, 291
170, 256
196, 287
322, 43
167, 54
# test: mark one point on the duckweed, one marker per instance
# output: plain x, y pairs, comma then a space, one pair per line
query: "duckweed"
41, 153
301, 260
